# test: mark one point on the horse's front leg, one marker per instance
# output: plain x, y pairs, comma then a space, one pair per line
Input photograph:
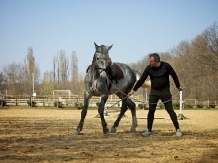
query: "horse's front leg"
87, 97
122, 112
101, 113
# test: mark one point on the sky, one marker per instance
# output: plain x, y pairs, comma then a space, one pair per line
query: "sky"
136, 28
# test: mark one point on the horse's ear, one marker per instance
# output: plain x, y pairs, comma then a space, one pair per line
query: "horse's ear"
110, 47
96, 46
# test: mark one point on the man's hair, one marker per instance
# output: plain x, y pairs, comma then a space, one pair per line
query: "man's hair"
156, 57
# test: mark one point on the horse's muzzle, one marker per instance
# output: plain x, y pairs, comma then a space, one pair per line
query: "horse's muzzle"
103, 75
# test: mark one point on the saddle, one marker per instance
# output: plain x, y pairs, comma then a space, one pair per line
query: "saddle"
114, 72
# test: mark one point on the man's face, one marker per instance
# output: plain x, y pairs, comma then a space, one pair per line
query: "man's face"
153, 63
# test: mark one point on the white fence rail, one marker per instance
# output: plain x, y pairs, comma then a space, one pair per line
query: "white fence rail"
70, 101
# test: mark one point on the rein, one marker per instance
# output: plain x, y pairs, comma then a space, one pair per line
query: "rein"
102, 69
139, 100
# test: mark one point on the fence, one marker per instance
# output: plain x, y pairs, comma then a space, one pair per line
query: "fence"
67, 101
195, 103
70, 101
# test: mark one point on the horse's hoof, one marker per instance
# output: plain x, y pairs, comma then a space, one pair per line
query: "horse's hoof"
106, 131
113, 129
132, 130
76, 132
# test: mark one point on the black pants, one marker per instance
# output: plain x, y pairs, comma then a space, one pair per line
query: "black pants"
165, 96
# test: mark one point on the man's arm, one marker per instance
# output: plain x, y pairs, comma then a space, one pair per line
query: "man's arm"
175, 77
140, 81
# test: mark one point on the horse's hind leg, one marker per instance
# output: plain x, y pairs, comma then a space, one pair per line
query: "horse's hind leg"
126, 102
83, 113
132, 107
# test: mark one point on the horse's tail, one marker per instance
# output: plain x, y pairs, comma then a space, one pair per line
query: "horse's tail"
146, 84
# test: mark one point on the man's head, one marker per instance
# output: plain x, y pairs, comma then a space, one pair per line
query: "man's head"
109, 61
154, 60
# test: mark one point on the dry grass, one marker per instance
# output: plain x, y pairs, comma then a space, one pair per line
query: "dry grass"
45, 135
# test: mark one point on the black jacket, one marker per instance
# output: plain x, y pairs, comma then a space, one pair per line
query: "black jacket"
159, 77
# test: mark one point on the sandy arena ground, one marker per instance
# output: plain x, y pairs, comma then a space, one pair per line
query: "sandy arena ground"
45, 135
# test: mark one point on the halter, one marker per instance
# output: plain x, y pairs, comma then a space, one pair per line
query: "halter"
102, 69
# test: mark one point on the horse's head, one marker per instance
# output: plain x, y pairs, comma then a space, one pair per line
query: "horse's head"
100, 61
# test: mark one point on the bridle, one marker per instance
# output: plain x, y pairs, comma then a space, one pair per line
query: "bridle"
99, 68
102, 69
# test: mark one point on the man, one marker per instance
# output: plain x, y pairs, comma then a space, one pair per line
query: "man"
160, 89
110, 69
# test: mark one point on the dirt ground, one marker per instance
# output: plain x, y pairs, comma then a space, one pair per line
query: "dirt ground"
45, 135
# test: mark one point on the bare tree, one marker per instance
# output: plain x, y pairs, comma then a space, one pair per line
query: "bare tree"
196, 64
31, 72
211, 36
55, 65
61, 70
64, 66
1, 81
74, 72
14, 79
80, 85
48, 84
205, 51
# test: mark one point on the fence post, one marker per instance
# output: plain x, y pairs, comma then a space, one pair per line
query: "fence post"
181, 104
196, 103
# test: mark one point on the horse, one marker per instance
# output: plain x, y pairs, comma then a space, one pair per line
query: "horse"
97, 84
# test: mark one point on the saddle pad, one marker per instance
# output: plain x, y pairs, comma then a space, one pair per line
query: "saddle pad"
119, 72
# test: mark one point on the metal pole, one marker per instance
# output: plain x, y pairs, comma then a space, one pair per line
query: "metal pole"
146, 97
180, 102
143, 99
33, 91
33, 82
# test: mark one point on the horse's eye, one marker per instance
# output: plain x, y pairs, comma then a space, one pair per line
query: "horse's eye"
97, 58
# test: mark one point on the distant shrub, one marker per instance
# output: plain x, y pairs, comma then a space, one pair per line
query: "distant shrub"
33, 103
97, 104
187, 106
161, 106
2, 103
78, 106
176, 105
142, 106
58, 104
213, 105
199, 106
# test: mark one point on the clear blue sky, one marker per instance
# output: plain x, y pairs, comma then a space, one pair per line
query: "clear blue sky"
135, 27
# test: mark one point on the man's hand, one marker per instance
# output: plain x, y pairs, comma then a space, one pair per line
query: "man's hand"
131, 92
180, 88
